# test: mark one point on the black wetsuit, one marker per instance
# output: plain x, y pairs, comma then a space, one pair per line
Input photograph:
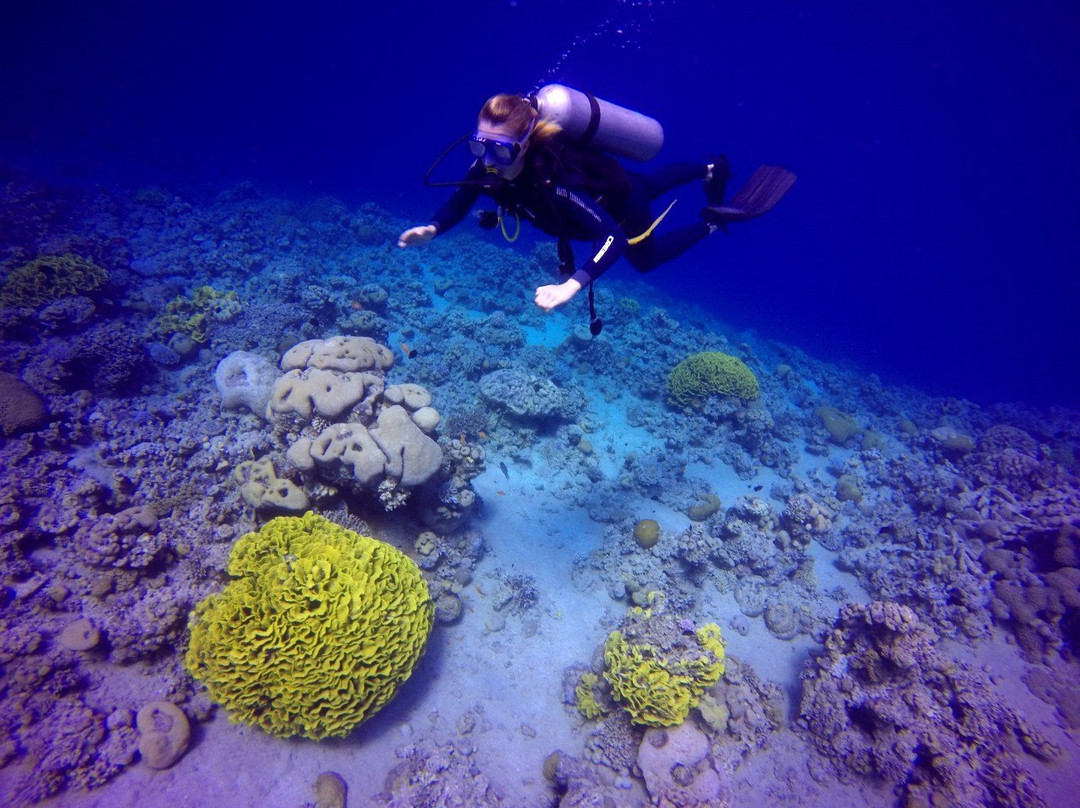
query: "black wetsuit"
578, 205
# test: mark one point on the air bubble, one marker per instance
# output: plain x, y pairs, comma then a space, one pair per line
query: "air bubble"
623, 29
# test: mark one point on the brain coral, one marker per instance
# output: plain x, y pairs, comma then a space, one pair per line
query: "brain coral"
316, 631
704, 374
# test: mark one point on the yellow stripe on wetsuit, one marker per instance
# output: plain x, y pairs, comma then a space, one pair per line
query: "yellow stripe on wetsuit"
648, 231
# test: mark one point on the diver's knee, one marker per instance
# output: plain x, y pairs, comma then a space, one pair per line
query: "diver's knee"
642, 263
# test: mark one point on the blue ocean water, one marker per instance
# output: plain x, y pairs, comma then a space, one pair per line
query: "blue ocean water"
929, 239
206, 326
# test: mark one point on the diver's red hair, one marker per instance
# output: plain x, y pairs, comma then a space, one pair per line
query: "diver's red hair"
518, 114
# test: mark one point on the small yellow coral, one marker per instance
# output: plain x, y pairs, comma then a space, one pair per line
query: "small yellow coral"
658, 685
316, 631
711, 373
585, 693
194, 316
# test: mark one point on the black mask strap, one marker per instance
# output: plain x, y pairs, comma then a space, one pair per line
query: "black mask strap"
481, 183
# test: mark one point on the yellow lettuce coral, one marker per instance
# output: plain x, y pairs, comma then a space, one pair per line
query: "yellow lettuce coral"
659, 682
316, 631
585, 693
195, 316
51, 277
704, 374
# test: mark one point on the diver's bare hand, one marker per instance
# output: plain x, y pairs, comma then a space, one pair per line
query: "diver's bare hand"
415, 236
548, 297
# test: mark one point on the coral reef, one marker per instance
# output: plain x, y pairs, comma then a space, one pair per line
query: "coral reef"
987, 536
54, 739
434, 777
316, 631
884, 700
152, 452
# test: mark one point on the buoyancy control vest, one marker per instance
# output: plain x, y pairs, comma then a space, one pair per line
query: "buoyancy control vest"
593, 173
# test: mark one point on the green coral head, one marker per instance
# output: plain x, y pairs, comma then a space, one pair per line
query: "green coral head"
51, 277
315, 632
710, 373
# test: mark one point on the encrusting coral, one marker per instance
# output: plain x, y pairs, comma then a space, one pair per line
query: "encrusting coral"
316, 631
355, 431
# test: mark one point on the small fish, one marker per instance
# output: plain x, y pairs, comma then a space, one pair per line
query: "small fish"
758, 487
501, 493
461, 438
506, 473
481, 434
410, 353
356, 305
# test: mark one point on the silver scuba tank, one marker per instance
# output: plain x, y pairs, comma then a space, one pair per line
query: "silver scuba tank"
591, 121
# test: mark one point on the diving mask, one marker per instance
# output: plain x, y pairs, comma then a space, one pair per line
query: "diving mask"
497, 150
503, 152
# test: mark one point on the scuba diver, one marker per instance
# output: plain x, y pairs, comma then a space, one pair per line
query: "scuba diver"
548, 159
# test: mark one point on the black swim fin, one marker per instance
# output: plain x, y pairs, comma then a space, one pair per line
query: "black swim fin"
766, 186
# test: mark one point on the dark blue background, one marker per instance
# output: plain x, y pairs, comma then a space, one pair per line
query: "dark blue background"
932, 236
